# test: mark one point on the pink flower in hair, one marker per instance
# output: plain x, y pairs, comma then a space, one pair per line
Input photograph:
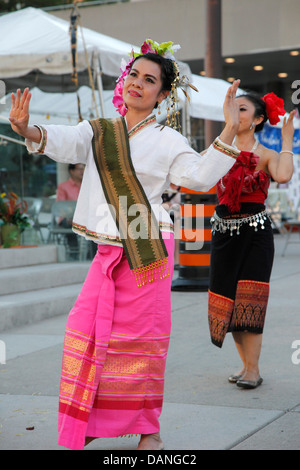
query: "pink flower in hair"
118, 92
118, 97
126, 66
147, 47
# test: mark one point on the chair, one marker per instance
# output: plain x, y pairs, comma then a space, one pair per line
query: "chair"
34, 206
60, 227
279, 208
45, 215
291, 225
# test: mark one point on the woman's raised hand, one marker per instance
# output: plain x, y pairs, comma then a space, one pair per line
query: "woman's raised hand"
19, 113
287, 130
231, 107
231, 111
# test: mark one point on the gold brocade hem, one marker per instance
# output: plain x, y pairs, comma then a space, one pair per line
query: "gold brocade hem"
95, 236
112, 240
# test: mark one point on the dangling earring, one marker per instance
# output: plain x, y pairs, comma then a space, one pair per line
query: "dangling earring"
173, 120
252, 125
158, 107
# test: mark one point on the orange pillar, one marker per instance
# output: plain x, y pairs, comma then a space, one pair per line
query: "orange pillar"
195, 240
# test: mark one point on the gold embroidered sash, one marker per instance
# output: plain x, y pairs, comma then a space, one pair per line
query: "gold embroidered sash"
145, 250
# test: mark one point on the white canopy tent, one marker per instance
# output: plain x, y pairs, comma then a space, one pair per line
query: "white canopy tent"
208, 102
32, 39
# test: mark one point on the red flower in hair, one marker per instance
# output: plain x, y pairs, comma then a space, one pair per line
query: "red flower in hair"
274, 107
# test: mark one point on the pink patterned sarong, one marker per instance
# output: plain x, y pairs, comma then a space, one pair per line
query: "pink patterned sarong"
115, 350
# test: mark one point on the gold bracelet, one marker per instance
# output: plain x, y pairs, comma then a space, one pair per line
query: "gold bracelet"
287, 151
224, 148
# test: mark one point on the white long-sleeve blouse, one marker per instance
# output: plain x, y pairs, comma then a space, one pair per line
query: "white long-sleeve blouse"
160, 156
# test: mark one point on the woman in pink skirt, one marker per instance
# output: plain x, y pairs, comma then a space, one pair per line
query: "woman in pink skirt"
117, 334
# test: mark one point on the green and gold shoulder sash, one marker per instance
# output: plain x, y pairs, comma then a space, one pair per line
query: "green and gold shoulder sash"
141, 238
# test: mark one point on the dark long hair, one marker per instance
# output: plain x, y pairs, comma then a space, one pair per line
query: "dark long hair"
260, 108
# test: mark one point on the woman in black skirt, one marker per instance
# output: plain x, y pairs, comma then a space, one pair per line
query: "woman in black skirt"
242, 241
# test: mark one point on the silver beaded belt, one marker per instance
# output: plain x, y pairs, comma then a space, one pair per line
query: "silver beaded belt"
222, 225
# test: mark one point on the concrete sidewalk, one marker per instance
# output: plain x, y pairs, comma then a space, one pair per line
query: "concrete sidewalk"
202, 411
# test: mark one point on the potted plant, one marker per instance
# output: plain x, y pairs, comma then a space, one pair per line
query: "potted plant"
13, 219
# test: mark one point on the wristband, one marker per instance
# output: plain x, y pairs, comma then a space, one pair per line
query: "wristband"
43, 140
225, 148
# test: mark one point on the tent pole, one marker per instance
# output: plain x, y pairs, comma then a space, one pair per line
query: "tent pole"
100, 84
188, 120
10, 139
184, 120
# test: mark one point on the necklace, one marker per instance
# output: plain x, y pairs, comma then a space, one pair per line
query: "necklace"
251, 151
255, 145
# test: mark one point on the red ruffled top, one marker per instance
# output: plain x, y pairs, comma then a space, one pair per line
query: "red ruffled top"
243, 183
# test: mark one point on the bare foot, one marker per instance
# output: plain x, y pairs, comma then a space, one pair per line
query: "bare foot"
150, 442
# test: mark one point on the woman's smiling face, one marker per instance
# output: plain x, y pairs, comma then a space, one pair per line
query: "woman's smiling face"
143, 86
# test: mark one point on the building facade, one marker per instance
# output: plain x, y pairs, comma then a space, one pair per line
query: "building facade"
260, 40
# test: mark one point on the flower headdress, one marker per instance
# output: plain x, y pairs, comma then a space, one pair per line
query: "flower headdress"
166, 50
274, 107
